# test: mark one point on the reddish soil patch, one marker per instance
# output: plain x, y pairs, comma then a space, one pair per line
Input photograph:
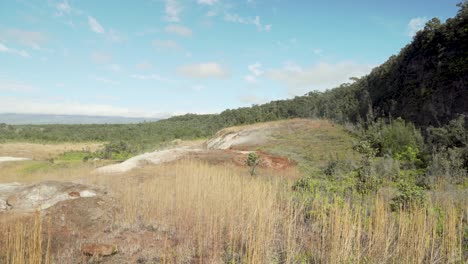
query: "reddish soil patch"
238, 158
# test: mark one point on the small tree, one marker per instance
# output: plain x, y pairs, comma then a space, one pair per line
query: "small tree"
252, 161
367, 182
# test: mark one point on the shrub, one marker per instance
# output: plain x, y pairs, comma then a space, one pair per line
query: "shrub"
367, 181
117, 150
410, 195
398, 138
448, 163
387, 168
252, 161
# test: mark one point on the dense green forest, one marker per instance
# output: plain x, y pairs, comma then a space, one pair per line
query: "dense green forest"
425, 84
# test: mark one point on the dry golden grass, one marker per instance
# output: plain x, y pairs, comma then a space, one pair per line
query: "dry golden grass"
23, 241
44, 151
219, 214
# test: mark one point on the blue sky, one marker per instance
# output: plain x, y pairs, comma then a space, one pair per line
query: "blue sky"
165, 57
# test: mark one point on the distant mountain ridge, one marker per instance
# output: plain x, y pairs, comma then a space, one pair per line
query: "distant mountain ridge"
41, 119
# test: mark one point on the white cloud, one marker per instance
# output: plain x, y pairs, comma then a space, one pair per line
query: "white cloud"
63, 8
259, 25
6, 49
162, 45
198, 87
318, 52
207, 2
115, 36
101, 57
104, 80
147, 31
107, 97
156, 77
235, 18
416, 24
211, 13
12, 86
95, 26
173, 10
320, 76
250, 79
204, 70
287, 44
111, 34
255, 71
144, 66
31, 39
115, 68
179, 30
30, 106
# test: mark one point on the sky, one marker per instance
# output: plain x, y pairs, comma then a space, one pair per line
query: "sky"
156, 58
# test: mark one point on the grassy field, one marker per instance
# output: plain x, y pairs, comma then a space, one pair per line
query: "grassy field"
219, 214
194, 211
44, 151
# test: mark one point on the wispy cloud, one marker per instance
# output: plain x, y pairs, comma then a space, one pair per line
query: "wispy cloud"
115, 36
62, 8
318, 52
287, 44
147, 31
13, 86
31, 39
104, 80
101, 57
416, 24
164, 45
255, 71
68, 107
179, 30
207, 2
198, 87
155, 77
320, 76
144, 66
235, 18
173, 10
5, 49
204, 71
115, 67
95, 26
111, 34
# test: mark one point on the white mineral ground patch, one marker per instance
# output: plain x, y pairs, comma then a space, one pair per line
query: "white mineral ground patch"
156, 157
40, 196
5, 159
224, 139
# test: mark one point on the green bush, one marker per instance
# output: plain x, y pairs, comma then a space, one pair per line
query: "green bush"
410, 195
366, 178
398, 138
117, 150
252, 161
448, 163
